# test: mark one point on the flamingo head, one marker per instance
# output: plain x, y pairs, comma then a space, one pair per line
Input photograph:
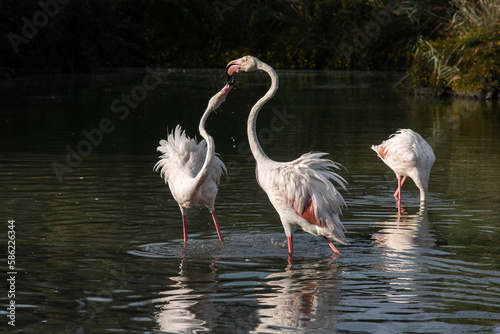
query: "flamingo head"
220, 97
244, 64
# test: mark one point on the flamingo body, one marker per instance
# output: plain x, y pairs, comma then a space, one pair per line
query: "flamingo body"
181, 161
191, 169
408, 155
301, 190
303, 195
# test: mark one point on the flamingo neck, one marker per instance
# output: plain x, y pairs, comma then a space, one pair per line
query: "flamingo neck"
423, 195
422, 184
253, 140
213, 104
203, 173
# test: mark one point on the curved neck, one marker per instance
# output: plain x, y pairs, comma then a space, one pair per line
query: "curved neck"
423, 192
203, 173
423, 196
422, 183
253, 140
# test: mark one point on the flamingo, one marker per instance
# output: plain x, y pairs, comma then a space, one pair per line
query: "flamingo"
191, 169
300, 190
408, 155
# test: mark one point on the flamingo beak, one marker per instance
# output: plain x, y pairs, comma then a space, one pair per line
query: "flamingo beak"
231, 68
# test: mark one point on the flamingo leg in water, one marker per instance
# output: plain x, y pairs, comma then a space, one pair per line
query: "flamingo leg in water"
290, 262
398, 190
332, 246
290, 244
216, 226
184, 228
397, 194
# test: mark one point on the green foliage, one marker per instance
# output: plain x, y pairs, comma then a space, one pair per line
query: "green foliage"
87, 35
434, 68
466, 59
451, 46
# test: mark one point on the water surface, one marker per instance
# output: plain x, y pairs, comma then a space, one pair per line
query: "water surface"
99, 238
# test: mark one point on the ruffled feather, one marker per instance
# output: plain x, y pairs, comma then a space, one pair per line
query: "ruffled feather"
400, 151
181, 153
307, 185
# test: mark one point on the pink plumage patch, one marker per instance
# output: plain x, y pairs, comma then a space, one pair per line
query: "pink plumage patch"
384, 152
309, 215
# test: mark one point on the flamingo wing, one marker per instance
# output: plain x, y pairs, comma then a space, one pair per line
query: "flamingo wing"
180, 154
217, 168
305, 185
399, 152
184, 157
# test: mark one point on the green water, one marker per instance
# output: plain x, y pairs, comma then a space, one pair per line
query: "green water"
98, 237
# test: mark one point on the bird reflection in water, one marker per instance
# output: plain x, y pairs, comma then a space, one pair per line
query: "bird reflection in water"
177, 309
406, 233
304, 299
402, 242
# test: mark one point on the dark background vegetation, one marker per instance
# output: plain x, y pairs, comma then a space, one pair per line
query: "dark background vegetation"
96, 35
88, 35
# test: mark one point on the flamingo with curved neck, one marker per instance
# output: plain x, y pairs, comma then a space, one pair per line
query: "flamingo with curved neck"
192, 170
408, 155
301, 191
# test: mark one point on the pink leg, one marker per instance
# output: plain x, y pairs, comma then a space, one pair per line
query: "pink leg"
397, 194
290, 262
402, 181
335, 250
290, 244
398, 190
216, 226
184, 228
401, 187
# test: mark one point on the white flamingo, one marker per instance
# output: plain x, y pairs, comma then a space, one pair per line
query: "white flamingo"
408, 155
191, 169
300, 190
